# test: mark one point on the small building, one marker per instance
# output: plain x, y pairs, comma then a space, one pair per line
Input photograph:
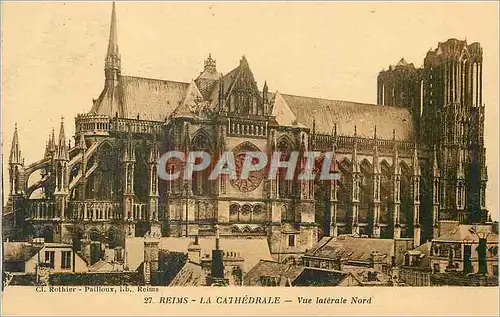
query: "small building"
458, 249
334, 252
28, 256
252, 250
271, 273
371, 261
415, 270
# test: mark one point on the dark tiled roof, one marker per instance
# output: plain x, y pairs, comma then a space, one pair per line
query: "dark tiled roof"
282, 272
320, 277
346, 114
152, 99
297, 275
352, 248
462, 232
191, 274
19, 251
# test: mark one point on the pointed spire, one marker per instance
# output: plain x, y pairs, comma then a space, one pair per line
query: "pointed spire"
376, 164
129, 153
243, 60
52, 142
62, 147
15, 150
113, 34
221, 94
395, 162
416, 164
435, 167
210, 64
265, 91
355, 165
460, 169
333, 140
113, 62
81, 142
47, 152
153, 152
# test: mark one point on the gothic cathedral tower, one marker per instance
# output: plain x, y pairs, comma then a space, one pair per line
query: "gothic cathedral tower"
445, 100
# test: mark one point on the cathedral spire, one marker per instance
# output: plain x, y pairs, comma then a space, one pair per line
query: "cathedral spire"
435, 167
47, 153
221, 94
355, 165
153, 152
52, 142
395, 162
15, 150
376, 164
113, 60
265, 91
81, 142
460, 169
62, 146
210, 64
416, 164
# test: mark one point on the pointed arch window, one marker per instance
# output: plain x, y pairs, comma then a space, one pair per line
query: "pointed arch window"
285, 186
201, 185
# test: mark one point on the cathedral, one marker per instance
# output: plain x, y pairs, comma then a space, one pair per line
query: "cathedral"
413, 160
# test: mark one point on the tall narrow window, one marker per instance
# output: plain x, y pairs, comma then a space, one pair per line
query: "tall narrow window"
49, 258
291, 240
65, 259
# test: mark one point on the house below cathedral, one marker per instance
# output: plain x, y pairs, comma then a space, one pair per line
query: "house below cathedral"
405, 164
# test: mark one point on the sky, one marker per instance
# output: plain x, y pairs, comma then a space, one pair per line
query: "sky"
53, 53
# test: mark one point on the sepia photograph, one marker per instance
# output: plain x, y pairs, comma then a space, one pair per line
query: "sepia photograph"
152, 150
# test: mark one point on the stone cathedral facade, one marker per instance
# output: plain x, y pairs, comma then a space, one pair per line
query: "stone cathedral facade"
405, 164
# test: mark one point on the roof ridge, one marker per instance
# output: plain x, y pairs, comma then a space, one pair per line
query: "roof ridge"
352, 102
156, 79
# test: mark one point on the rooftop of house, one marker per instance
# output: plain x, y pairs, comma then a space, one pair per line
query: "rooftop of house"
271, 273
354, 249
251, 250
453, 232
191, 274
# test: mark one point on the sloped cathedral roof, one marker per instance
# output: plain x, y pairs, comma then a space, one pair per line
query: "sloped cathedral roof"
155, 100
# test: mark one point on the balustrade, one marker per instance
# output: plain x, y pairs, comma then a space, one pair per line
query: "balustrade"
94, 210
141, 211
363, 145
250, 128
136, 126
41, 210
102, 125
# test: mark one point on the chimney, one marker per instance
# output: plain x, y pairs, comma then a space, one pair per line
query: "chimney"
217, 273
38, 242
151, 251
376, 260
494, 227
86, 250
194, 251
482, 257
